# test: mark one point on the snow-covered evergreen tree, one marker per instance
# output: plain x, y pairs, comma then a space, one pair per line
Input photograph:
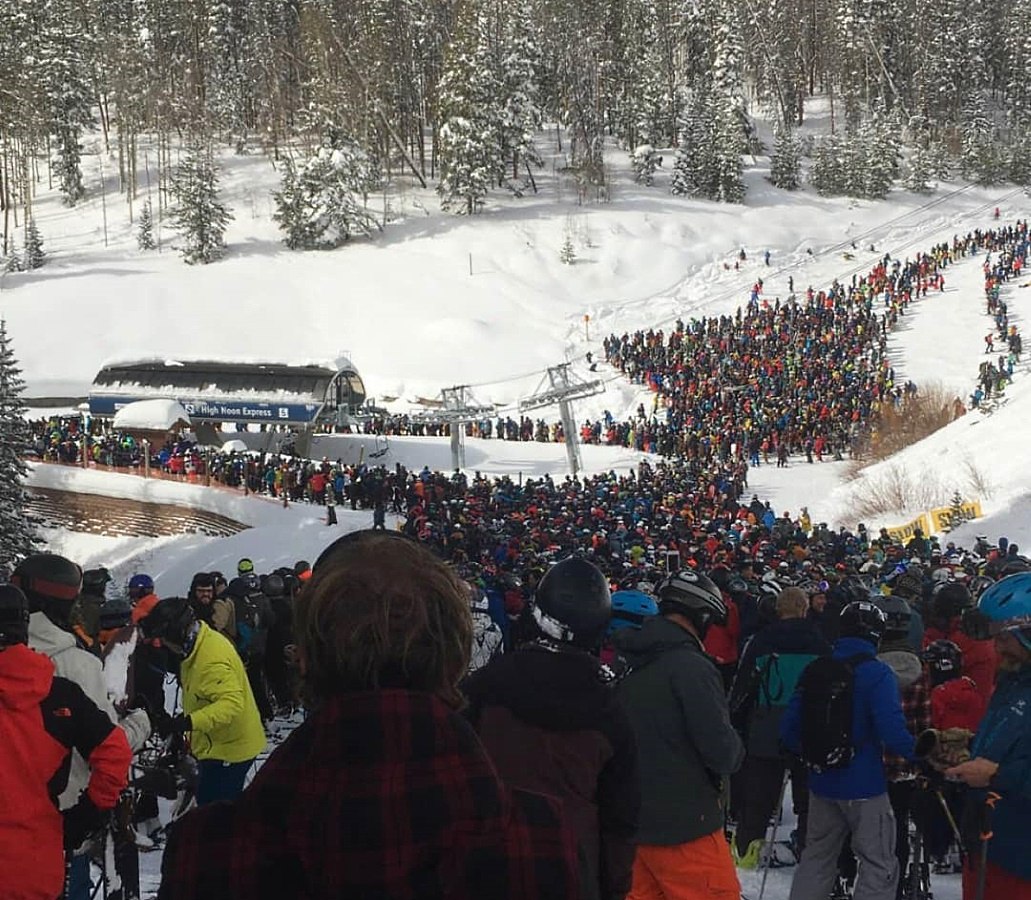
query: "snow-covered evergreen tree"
471, 117
827, 174
17, 530
1018, 153
34, 256
644, 161
982, 159
785, 166
920, 168
694, 166
145, 228
522, 115
323, 202
730, 116
11, 263
198, 215
877, 154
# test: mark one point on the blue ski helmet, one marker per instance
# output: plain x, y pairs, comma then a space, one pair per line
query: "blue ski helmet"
1007, 606
630, 609
140, 585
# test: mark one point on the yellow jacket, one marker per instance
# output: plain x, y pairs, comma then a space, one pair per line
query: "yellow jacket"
218, 699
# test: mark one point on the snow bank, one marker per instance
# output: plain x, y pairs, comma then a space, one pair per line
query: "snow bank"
151, 415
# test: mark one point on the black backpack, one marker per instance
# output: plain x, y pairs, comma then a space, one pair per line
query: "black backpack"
828, 691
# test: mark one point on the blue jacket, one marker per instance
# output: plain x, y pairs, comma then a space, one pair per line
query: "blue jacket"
877, 723
1005, 737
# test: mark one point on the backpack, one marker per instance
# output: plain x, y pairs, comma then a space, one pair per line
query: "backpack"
828, 691
253, 616
776, 677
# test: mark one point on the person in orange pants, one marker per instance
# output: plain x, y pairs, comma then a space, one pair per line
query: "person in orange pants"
701, 869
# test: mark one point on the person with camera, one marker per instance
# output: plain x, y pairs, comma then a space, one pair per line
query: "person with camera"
43, 718
998, 809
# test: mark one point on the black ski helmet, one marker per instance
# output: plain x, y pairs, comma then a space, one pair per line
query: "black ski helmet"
944, 660
95, 581
897, 614
573, 604
950, 601
695, 596
115, 613
14, 616
864, 619
273, 585
169, 621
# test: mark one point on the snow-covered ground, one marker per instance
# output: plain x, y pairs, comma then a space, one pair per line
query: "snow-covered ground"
438, 301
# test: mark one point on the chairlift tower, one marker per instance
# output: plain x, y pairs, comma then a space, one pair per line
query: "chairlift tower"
458, 406
561, 387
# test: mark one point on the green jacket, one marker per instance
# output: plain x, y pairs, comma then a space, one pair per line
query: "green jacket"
674, 698
218, 699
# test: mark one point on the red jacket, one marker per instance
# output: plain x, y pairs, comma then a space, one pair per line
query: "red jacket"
979, 657
721, 641
384, 794
41, 718
957, 704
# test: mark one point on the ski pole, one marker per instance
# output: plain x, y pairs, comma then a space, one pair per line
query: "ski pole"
952, 824
773, 834
986, 836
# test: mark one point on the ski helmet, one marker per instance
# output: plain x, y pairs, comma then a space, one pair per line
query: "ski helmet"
945, 661
115, 613
737, 587
909, 585
95, 581
950, 600
46, 576
170, 622
244, 567
694, 595
573, 604
630, 609
897, 615
140, 585
14, 616
979, 584
273, 585
1007, 607
864, 619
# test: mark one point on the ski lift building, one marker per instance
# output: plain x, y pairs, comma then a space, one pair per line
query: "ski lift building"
306, 395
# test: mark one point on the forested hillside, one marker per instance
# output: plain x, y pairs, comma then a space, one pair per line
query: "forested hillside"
354, 92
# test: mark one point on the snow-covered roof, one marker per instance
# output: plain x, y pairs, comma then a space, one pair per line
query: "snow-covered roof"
151, 415
341, 361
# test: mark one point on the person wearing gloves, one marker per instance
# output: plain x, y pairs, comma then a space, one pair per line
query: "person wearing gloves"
999, 867
44, 717
219, 714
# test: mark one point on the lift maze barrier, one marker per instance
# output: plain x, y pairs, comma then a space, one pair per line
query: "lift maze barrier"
937, 521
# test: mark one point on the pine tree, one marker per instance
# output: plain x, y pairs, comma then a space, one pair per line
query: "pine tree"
471, 118
567, 254
198, 216
17, 530
785, 167
35, 256
694, 169
731, 119
828, 172
145, 229
11, 263
519, 80
323, 202
957, 515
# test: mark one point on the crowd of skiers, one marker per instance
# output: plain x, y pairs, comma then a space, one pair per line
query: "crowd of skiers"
592, 713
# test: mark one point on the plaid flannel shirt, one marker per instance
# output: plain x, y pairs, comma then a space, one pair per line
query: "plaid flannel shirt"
916, 706
380, 795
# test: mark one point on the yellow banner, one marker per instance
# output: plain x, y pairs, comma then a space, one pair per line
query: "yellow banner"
942, 519
903, 533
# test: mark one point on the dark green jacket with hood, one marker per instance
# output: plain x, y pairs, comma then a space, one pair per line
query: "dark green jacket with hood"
674, 699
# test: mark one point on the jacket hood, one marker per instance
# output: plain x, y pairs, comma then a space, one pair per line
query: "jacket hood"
790, 636
25, 677
853, 646
657, 635
905, 664
46, 638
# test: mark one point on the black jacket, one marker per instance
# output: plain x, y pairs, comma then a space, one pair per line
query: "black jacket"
676, 704
552, 725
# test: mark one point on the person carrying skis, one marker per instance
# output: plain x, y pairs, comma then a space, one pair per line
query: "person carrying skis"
999, 809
